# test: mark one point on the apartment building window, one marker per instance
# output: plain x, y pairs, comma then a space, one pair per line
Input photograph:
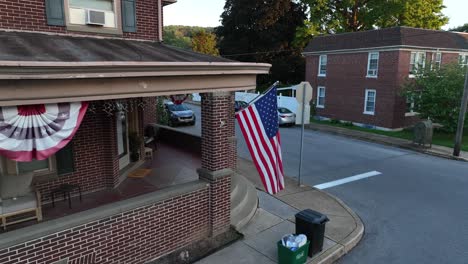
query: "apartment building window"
436, 60
320, 97
369, 102
463, 59
322, 71
417, 62
373, 65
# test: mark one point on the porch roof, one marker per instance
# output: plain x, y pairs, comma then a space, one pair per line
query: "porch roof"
27, 46
50, 68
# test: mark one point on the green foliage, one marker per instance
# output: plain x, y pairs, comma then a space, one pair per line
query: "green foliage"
263, 31
181, 36
163, 117
337, 16
204, 42
437, 94
334, 121
463, 28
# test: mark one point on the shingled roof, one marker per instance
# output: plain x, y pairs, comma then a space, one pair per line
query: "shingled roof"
25, 46
396, 36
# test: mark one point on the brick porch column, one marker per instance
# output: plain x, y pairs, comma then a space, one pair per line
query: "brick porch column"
218, 155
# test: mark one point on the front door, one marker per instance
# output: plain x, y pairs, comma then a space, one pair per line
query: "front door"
122, 139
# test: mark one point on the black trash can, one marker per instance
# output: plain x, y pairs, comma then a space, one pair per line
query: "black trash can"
312, 224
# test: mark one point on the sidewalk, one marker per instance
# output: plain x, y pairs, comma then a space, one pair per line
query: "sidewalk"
436, 150
275, 218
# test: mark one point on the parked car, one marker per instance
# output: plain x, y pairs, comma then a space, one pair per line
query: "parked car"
286, 117
179, 114
239, 105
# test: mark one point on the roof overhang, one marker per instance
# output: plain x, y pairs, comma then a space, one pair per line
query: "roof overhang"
24, 83
169, 2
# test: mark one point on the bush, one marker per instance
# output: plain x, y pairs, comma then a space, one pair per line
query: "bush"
334, 121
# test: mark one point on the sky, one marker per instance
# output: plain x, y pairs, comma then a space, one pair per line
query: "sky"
206, 13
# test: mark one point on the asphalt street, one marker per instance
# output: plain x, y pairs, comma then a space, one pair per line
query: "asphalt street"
415, 211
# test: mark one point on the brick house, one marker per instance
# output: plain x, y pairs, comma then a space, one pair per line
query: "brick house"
357, 76
110, 54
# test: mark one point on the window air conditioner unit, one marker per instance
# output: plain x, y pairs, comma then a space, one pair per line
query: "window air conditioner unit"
372, 72
96, 18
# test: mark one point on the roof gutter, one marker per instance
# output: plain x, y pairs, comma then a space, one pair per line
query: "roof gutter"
34, 70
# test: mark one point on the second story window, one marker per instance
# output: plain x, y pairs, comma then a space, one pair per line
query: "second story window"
417, 62
100, 16
322, 70
373, 64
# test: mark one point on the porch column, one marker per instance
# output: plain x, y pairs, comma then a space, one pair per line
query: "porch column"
218, 155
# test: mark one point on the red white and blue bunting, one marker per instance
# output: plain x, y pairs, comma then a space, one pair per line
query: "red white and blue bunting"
36, 132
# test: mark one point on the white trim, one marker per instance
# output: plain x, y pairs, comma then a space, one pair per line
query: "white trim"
369, 56
384, 48
160, 22
365, 102
416, 59
317, 105
320, 65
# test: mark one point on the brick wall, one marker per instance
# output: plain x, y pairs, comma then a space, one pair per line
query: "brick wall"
346, 83
150, 115
96, 164
135, 236
218, 154
30, 15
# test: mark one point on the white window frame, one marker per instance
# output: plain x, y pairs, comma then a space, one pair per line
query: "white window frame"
463, 59
369, 63
320, 65
117, 30
318, 105
416, 57
436, 60
366, 101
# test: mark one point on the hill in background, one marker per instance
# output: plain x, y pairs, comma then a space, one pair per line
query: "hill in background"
181, 36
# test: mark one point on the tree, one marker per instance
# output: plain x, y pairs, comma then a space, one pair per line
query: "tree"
336, 16
204, 42
181, 36
263, 31
463, 28
436, 94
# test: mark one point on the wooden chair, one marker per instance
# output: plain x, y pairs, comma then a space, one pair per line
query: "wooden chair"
19, 202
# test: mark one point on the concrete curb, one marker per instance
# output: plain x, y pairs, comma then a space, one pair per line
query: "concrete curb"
381, 139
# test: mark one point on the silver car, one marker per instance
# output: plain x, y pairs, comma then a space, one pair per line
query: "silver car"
286, 117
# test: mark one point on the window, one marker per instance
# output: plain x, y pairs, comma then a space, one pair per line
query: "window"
417, 62
463, 59
322, 71
369, 103
436, 60
77, 15
373, 64
60, 163
320, 97
409, 107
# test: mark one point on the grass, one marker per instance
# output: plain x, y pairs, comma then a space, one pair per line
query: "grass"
439, 138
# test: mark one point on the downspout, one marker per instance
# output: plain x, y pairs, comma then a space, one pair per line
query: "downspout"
160, 22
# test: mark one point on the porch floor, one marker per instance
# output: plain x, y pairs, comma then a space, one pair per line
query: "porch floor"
170, 166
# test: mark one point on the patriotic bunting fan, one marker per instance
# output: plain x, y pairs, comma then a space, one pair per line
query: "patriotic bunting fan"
38, 131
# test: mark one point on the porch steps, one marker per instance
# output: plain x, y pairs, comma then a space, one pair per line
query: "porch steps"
244, 201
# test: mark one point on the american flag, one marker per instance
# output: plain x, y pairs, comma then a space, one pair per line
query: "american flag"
259, 125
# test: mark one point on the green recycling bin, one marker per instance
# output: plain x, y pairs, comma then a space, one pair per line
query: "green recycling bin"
287, 256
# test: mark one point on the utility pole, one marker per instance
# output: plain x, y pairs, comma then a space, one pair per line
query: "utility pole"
461, 118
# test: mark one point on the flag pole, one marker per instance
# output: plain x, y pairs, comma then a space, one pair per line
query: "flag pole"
258, 96
302, 134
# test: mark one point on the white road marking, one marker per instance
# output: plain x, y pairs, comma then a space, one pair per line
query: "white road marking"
347, 180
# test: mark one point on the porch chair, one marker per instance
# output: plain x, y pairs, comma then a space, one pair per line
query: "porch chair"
18, 200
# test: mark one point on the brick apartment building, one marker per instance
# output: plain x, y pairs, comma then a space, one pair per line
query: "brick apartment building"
110, 54
357, 76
